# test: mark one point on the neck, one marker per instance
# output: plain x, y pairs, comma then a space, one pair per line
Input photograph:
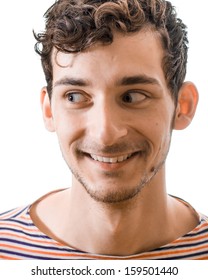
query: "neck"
147, 221
112, 228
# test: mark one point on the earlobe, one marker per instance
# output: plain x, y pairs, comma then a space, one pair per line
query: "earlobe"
186, 107
46, 110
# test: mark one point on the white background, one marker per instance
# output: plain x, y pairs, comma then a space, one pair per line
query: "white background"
30, 161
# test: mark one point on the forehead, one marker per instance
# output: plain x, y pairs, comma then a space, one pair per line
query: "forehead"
139, 53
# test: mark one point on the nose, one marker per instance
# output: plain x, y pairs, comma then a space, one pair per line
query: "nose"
107, 124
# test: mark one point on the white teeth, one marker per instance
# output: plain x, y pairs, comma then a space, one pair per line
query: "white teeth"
99, 158
104, 159
113, 160
110, 160
120, 159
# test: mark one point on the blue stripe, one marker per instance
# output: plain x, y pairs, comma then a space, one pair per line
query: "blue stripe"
27, 255
40, 246
26, 233
19, 222
4, 213
191, 245
20, 212
15, 215
197, 233
193, 256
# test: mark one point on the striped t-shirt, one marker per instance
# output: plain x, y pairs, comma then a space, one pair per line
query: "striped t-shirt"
21, 239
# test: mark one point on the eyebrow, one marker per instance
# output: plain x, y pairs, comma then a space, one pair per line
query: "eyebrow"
138, 79
71, 81
125, 81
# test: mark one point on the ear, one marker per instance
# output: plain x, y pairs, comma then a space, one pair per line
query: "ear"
46, 110
186, 106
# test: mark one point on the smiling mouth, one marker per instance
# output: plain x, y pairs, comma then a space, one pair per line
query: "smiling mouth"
112, 159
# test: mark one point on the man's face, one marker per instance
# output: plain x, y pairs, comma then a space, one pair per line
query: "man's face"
113, 114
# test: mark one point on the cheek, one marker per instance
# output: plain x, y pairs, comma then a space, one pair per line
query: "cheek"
161, 120
158, 131
162, 141
67, 129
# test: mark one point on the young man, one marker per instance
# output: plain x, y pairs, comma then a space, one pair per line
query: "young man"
115, 90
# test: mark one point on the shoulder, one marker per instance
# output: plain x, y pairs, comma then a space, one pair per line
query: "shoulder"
202, 228
13, 213
204, 218
14, 220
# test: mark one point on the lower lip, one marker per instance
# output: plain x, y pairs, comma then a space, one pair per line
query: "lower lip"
112, 166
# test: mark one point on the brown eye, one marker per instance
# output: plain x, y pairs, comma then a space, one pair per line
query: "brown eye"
133, 97
127, 98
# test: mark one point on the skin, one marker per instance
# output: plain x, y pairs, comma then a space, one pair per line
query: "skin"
108, 103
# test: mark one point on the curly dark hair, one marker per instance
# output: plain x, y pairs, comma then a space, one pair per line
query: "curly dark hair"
74, 25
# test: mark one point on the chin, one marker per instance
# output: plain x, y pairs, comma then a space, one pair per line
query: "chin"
113, 193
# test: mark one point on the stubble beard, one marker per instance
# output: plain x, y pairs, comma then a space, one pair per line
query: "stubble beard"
110, 197
124, 194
